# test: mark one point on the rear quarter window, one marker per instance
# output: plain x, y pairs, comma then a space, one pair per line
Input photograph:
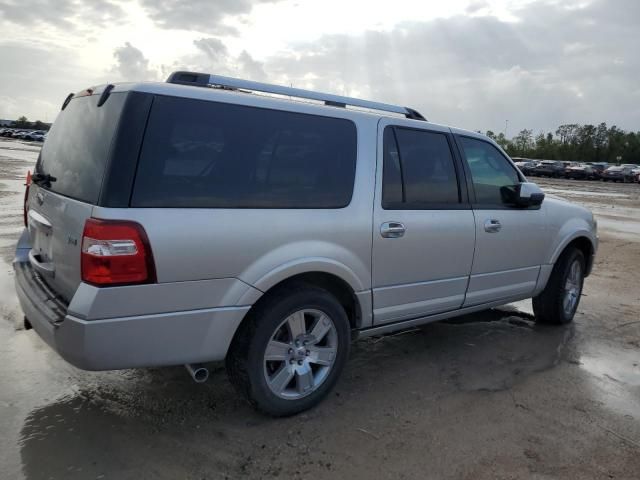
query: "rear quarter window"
78, 145
213, 155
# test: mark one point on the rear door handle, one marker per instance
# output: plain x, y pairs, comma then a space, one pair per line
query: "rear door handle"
39, 220
492, 225
392, 230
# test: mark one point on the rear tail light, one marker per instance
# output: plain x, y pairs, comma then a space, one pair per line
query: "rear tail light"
116, 252
25, 207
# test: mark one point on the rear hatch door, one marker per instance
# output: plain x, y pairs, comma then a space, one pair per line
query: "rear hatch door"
68, 178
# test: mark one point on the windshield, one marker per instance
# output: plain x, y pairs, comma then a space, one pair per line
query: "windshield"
77, 146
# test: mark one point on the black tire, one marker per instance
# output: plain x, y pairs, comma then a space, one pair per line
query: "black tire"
548, 306
245, 360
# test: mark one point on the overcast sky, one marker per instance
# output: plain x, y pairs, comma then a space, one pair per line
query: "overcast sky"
472, 64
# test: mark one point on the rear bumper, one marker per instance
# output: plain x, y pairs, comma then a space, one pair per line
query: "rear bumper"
159, 339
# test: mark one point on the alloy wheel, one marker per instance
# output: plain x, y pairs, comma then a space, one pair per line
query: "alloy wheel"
300, 354
572, 288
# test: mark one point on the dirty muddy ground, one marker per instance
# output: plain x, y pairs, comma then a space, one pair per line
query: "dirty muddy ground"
488, 396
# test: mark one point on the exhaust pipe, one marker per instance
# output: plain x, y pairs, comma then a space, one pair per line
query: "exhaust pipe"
198, 372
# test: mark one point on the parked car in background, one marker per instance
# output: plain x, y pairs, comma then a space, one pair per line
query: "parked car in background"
34, 135
401, 228
618, 174
635, 169
37, 137
549, 168
526, 167
598, 168
579, 172
21, 134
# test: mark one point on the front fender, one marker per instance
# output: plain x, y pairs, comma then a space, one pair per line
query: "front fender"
566, 223
567, 234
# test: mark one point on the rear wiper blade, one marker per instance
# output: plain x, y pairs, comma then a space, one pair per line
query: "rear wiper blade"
42, 179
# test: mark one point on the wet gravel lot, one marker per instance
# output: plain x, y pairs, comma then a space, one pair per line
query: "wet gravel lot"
491, 395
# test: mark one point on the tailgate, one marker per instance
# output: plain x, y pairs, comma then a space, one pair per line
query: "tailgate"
55, 227
67, 182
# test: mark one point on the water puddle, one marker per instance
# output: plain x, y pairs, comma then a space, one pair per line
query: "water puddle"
615, 377
484, 351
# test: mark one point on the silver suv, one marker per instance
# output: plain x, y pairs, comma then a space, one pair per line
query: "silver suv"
210, 218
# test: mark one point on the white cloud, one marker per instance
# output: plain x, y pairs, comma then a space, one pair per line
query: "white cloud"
34, 80
554, 65
132, 65
199, 15
67, 14
473, 63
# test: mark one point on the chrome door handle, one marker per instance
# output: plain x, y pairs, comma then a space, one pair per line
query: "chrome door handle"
492, 225
392, 229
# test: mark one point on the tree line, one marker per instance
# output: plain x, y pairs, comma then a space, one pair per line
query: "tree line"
574, 142
23, 122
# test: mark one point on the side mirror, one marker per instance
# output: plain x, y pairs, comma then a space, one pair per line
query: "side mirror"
528, 194
522, 195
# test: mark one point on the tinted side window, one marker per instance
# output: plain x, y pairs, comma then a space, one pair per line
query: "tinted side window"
494, 178
419, 170
207, 154
392, 188
78, 144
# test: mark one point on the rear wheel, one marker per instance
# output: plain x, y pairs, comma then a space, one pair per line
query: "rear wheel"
558, 302
290, 352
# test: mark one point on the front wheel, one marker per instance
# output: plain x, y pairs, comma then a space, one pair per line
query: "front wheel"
558, 302
290, 351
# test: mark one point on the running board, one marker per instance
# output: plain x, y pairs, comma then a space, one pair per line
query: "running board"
415, 322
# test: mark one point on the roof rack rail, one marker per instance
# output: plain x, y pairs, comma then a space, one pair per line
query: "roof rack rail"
207, 80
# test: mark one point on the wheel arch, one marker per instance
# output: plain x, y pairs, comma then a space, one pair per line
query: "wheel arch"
357, 304
584, 243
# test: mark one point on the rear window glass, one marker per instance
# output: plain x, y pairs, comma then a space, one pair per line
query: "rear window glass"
77, 146
207, 154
